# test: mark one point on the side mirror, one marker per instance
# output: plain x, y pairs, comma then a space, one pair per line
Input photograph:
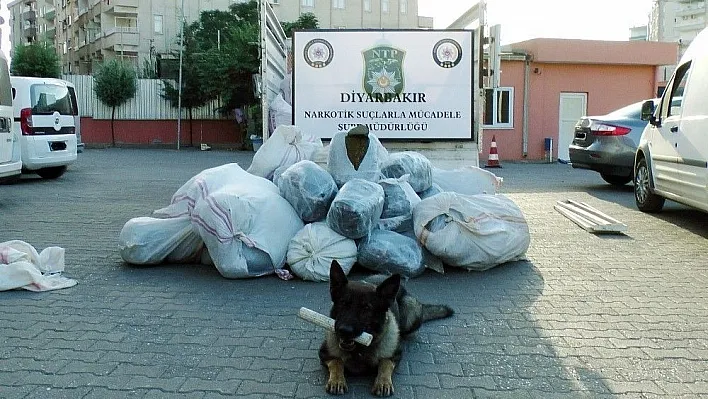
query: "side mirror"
648, 111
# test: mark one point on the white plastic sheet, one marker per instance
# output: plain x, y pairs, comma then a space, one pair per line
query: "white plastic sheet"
21, 266
468, 180
150, 241
341, 167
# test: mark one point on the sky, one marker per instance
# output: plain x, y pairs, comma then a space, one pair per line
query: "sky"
524, 19
568, 19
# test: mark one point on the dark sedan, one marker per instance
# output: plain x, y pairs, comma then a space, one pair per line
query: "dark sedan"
606, 144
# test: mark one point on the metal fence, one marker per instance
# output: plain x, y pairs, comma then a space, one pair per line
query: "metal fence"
147, 104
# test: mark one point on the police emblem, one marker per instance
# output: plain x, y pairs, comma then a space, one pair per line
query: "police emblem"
447, 53
318, 53
383, 70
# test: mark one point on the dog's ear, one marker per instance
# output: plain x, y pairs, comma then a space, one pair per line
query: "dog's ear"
388, 289
337, 280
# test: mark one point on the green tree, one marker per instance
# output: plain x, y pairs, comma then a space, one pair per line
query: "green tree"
37, 60
229, 56
195, 90
306, 20
114, 84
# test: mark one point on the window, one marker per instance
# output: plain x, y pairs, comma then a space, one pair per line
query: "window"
367, 5
670, 104
308, 3
403, 5
499, 108
338, 4
157, 23
384, 6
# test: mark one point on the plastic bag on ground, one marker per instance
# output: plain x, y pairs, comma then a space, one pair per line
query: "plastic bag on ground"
246, 230
389, 252
475, 232
356, 209
430, 261
150, 241
399, 201
208, 181
312, 250
341, 167
411, 163
21, 266
468, 180
309, 189
286, 146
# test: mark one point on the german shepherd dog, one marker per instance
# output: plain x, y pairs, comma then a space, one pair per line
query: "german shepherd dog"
387, 312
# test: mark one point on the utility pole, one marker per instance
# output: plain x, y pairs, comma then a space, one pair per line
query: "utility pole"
179, 90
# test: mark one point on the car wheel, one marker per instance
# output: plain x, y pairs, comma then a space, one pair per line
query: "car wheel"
646, 200
616, 180
51, 173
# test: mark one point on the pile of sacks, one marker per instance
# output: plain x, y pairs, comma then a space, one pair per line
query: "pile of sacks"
390, 213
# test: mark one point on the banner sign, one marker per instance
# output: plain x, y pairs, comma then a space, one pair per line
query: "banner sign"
414, 84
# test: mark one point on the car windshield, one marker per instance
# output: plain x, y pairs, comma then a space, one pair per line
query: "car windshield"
632, 111
48, 98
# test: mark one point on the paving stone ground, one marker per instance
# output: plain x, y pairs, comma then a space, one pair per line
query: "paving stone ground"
585, 317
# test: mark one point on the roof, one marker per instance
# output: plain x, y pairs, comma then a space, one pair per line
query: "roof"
575, 51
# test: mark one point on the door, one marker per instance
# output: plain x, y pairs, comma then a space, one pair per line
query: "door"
692, 136
573, 106
664, 135
6, 139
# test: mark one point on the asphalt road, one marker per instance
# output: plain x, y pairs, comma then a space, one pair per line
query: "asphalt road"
623, 316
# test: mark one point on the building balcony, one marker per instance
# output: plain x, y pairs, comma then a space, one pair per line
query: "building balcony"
30, 31
688, 9
425, 22
696, 22
122, 7
50, 14
119, 38
29, 15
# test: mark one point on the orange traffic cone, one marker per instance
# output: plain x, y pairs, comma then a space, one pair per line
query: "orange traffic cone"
493, 160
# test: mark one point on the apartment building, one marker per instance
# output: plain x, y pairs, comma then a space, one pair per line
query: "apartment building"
349, 14
87, 32
677, 21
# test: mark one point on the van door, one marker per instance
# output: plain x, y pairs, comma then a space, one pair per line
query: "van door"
692, 137
77, 118
6, 137
52, 110
664, 154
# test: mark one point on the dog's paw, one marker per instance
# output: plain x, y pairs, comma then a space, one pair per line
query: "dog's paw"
336, 386
383, 386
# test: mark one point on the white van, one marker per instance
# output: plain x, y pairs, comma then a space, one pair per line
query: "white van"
672, 158
10, 158
44, 117
77, 118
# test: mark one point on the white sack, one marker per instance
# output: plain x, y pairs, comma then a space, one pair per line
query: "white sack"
21, 266
150, 241
342, 169
208, 181
312, 250
475, 232
246, 230
468, 180
286, 146
280, 113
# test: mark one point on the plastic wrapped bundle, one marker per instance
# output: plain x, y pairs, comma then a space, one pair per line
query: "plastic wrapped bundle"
309, 189
409, 163
312, 250
356, 208
434, 189
149, 241
399, 200
389, 252
286, 146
